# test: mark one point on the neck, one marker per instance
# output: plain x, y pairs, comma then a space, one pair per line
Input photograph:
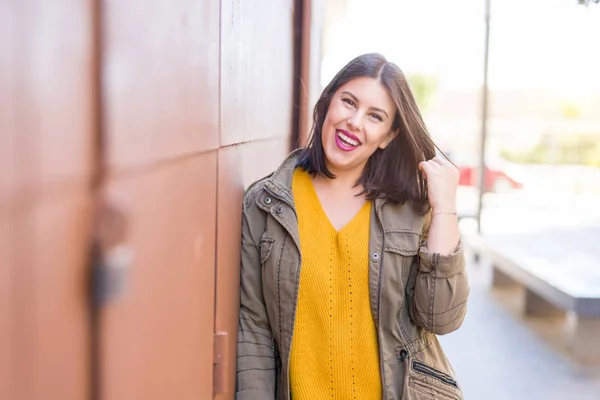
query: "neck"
345, 180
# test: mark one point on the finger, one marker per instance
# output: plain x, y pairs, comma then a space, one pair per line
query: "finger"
426, 167
436, 166
440, 161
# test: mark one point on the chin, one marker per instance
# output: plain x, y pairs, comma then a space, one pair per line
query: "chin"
337, 159
341, 162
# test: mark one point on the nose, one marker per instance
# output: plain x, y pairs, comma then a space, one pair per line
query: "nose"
354, 122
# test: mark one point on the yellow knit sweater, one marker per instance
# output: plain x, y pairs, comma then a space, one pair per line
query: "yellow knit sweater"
334, 347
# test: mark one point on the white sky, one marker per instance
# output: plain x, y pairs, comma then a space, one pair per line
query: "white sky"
534, 43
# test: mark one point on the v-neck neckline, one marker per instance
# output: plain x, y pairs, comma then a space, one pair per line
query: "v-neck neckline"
314, 198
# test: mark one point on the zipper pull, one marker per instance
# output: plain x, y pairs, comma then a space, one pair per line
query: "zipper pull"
403, 356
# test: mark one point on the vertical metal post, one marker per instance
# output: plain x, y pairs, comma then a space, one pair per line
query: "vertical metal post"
484, 115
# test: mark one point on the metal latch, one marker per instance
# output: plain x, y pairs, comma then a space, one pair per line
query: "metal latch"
111, 254
220, 363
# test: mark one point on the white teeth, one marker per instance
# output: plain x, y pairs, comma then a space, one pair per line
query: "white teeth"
348, 141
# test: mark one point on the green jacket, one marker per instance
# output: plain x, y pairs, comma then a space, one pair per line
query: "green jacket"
414, 295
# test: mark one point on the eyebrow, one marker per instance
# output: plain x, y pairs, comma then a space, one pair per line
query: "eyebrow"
356, 100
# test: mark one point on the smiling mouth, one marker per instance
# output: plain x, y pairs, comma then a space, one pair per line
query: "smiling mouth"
347, 140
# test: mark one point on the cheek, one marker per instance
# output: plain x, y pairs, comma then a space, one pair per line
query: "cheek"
378, 137
336, 114
327, 129
330, 123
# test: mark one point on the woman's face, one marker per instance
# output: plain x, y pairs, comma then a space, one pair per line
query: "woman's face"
358, 122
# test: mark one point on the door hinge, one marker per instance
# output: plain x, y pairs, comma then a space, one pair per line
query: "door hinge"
220, 363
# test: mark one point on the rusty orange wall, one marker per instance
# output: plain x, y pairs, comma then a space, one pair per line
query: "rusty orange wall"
47, 128
7, 191
177, 106
161, 125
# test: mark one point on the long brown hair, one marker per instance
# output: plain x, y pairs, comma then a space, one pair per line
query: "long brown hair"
391, 173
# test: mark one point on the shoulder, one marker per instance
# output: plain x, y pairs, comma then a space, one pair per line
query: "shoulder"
253, 216
255, 189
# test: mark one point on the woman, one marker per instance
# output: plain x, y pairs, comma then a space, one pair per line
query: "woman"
351, 257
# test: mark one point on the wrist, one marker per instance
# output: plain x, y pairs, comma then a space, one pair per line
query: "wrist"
444, 209
444, 213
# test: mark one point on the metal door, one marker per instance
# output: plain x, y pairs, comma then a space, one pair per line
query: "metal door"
47, 145
161, 126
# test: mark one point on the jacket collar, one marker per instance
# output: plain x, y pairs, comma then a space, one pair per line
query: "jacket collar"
280, 182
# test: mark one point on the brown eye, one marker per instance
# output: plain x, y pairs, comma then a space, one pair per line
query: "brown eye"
377, 117
349, 101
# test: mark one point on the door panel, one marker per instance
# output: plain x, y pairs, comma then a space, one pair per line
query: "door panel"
6, 344
51, 236
55, 54
59, 248
161, 64
256, 70
50, 128
7, 101
8, 185
260, 158
157, 338
8, 181
177, 155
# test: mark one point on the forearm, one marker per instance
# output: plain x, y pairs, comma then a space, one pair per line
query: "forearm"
439, 300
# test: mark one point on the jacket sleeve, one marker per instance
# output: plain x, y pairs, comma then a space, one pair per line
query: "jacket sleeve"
256, 368
439, 299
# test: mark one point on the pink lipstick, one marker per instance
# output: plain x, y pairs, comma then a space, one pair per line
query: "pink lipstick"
346, 141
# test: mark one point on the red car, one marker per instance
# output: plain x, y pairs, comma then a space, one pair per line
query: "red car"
496, 180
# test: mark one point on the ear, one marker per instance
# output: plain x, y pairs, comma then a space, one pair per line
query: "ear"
388, 139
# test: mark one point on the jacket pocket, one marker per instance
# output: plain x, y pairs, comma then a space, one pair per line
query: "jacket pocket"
426, 382
439, 375
266, 246
405, 243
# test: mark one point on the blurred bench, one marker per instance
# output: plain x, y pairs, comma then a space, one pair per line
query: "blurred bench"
560, 272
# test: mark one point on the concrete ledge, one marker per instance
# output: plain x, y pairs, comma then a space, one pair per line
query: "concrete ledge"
500, 279
570, 281
558, 279
583, 336
537, 306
